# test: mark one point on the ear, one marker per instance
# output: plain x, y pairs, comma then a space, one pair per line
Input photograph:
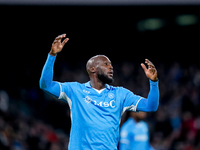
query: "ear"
92, 69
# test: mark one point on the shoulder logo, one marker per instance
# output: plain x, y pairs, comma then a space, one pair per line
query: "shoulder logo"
111, 95
85, 91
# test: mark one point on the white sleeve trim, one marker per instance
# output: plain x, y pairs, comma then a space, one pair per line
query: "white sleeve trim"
131, 108
138, 102
63, 96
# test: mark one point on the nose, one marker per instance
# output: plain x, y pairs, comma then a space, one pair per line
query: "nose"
111, 67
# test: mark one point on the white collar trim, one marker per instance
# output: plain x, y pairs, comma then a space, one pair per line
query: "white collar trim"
99, 91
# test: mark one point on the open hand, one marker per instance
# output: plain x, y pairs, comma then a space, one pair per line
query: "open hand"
57, 46
151, 72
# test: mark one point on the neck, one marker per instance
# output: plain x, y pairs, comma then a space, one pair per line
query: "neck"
95, 83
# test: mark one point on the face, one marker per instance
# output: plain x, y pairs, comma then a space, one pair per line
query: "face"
104, 70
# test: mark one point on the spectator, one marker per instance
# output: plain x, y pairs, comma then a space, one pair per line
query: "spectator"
134, 134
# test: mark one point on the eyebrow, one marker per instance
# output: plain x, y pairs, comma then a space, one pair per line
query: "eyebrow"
107, 61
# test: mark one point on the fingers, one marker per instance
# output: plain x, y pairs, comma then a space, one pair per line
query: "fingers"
144, 67
60, 37
151, 66
65, 41
149, 63
151, 71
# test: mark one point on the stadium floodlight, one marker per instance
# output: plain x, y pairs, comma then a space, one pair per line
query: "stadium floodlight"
186, 20
150, 24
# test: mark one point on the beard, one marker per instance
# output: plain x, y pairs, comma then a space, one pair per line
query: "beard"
104, 78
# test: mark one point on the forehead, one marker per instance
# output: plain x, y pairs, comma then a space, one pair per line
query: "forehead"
98, 59
103, 59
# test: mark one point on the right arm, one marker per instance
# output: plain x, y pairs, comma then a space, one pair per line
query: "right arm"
46, 80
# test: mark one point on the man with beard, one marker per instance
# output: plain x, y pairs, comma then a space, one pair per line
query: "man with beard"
96, 107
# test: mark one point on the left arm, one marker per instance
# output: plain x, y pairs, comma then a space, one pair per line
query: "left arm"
152, 102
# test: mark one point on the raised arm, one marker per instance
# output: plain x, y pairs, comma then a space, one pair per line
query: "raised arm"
46, 80
151, 103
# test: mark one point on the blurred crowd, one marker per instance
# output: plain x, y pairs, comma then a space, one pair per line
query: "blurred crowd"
30, 119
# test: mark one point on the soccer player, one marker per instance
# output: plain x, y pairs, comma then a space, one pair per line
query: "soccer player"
96, 107
134, 134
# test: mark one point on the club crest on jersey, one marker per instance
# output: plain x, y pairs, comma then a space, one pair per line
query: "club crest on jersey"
111, 95
88, 99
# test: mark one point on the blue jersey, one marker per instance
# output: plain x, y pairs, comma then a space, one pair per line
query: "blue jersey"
134, 136
95, 115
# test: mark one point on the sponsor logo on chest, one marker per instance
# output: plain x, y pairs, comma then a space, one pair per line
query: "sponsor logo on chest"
110, 103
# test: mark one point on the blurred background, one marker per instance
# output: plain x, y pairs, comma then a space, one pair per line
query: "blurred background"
165, 31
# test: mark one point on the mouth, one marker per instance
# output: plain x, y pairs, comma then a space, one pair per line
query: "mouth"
110, 73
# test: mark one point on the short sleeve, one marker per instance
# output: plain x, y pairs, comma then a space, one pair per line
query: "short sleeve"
130, 101
66, 92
